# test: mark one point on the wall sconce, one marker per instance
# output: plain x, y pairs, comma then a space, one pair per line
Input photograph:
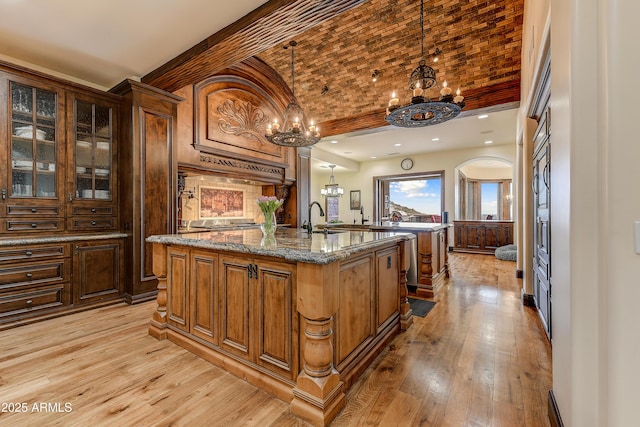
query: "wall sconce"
376, 75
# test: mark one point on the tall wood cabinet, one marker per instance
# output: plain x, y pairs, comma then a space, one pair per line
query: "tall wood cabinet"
58, 195
148, 169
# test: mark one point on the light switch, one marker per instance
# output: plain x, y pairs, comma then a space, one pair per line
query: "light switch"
637, 228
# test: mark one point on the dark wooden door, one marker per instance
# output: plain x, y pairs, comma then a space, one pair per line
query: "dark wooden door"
97, 271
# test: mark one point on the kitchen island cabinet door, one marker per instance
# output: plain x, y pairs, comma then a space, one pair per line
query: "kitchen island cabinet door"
97, 272
236, 278
204, 296
178, 288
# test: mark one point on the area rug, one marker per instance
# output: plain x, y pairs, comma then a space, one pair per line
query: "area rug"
420, 307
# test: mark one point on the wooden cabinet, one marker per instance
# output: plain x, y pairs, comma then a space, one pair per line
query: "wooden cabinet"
59, 181
97, 271
33, 279
60, 154
257, 320
148, 172
482, 236
92, 175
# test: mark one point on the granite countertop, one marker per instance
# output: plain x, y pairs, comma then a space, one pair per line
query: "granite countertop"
288, 244
60, 239
388, 225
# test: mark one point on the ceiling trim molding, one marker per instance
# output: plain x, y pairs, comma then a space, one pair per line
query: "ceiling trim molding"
497, 97
261, 29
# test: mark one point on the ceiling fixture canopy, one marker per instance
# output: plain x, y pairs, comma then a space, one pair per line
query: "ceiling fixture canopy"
292, 132
332, 189
422, 110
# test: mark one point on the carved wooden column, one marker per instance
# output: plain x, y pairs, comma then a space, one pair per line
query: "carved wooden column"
158, 325
318, 395
406, 314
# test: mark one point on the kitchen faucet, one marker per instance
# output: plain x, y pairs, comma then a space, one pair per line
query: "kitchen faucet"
362, 215
308, 225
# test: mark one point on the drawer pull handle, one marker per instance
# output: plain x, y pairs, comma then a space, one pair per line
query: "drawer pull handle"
29, 275
29, 301
34, 210
93, 210
93, 223
28, 253
34, 225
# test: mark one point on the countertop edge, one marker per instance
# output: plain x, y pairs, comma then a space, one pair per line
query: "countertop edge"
60, 239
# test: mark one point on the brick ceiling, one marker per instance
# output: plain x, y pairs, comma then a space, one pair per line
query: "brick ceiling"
341, 43
480, 43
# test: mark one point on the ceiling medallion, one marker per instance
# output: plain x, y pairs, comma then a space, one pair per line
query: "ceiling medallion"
292, 132
422, 110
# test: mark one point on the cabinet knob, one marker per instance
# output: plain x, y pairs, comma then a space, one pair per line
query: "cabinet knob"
4, 193
93, 210
93, 223
29, 275
28, 253
34, 225
34, 210
29, 301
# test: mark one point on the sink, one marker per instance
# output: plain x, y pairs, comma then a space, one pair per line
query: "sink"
329, 231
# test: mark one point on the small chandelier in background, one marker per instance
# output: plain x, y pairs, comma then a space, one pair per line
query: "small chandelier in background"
422, 110
292, 132
332, 189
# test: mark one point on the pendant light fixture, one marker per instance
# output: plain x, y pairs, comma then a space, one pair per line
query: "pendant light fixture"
422, 110
332, 189
292, 132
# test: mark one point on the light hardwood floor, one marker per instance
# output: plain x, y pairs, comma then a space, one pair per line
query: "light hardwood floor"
480, 358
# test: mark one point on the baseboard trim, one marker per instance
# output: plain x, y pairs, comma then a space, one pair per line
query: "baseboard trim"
554, 413
137, 299
528, 300
519, 274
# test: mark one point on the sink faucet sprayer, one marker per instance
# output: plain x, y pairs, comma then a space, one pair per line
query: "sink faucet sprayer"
308, 226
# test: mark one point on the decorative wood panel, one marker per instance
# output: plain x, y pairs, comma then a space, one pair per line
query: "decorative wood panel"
97, 271
355, 318
235, 306
178, 291
276, 329
387, 274
204, 295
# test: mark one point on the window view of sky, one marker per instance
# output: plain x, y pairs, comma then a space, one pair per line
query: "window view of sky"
422, 195
489, 198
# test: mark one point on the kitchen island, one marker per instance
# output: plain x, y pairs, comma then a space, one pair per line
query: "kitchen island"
430, 257
298, 315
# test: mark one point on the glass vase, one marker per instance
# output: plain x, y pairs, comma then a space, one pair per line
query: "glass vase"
269, 225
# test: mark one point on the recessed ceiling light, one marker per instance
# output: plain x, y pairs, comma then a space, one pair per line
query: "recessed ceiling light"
348, 152
334, 142
397, 145
435, 139
483, 116
488, 142
373, 157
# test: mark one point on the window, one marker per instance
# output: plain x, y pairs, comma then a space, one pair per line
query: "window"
411, 197
487, 199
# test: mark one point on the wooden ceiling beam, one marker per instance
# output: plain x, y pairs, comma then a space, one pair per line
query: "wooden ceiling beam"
497, 97
274, 22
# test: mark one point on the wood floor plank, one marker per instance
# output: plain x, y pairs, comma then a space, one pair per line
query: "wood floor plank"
479, 358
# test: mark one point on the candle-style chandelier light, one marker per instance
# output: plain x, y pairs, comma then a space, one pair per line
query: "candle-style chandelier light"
292, 132
422, 110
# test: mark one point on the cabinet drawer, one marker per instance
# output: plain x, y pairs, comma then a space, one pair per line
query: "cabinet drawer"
92, 223
32, 225
33, 299
13, 210
92, 210
26, 253
33, 274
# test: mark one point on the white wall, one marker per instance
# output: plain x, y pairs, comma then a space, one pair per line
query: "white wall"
363, 179
594, 176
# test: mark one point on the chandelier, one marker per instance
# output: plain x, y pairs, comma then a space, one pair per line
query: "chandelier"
422, 110
292, 132
332, 189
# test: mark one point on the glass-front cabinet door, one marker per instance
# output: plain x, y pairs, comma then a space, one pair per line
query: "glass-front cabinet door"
93, 150
34, 150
